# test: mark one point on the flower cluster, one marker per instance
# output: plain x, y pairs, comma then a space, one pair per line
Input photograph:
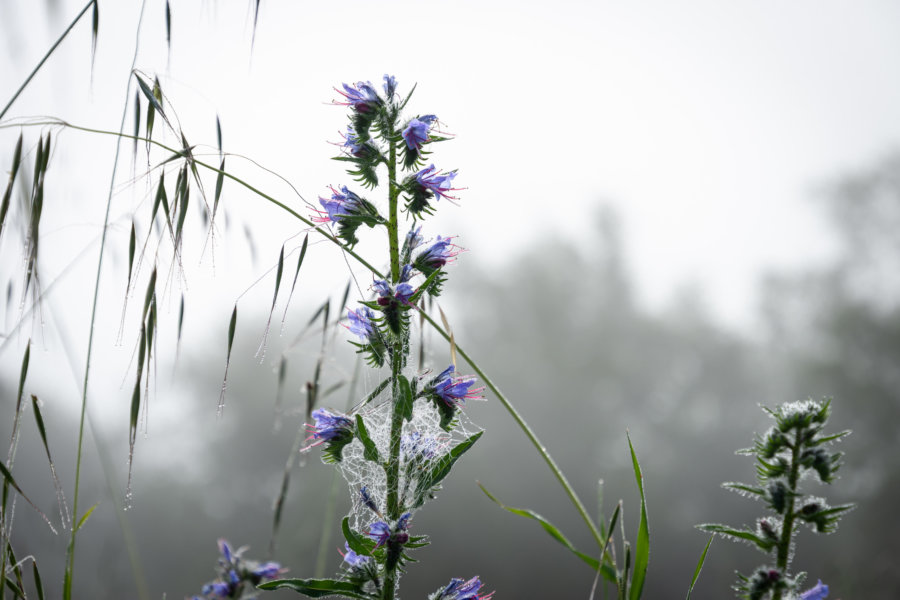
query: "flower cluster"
410, 465
237, 576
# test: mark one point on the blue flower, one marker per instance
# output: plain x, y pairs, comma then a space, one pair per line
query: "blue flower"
415, 445
817, 592
403, 292
390, 86
406, 273
460, 589
455, 390
216, 589
329, 425
342, 203
361, 323
403, 521
367, 500
362, 97
380, 532
353, 559
225, 550
436, 182
414, 239
416, 133
269, 570
439, 253
351, 141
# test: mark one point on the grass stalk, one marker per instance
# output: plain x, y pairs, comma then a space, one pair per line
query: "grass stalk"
46, 56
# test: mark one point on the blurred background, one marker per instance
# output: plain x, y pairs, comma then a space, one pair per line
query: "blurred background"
674, 213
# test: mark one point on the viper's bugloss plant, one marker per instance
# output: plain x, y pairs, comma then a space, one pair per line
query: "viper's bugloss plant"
395, 449
794, 449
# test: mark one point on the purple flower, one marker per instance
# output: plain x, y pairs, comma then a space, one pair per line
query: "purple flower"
439, 254
269, 570
403, 292
351, 141
817, 592
361, 322
340, 204
403, 521
225, 550
455, 390
460, 589
353, 559
329, 425
416, 134
415, 445
390, 86
362, 97
367, 500
436, 182
413, 239
406, 273
216, 589
380, 532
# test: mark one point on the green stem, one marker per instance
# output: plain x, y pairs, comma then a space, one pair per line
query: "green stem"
70, 551
46, 56
532, 437
784, 546
392, 468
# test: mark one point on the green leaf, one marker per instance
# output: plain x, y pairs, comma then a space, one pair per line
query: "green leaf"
132, 241
137, 121
151, 291
4, 205
151, 98
699, 566
11, 481
370, 451
231, 327
168, 26
296, 273
278, 274
440, 468
642, 545
317, 588
95, 30
218, 131
405, 405
606, 570
743, 487
84, 517
764, 545
357, 543
220, 180
23, 373
38, 584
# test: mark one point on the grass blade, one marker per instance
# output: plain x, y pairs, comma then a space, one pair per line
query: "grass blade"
296, 273
95, 30
168, 27
38, 584
642, 544
4, 205
606, 570
8, 478
60, 497
699, 566
231, 327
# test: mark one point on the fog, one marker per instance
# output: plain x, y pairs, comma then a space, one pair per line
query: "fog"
659, 270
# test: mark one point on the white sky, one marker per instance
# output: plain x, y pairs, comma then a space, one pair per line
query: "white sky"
707, 125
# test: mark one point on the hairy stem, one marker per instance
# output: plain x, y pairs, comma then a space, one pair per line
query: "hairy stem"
784, 545
392, 469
